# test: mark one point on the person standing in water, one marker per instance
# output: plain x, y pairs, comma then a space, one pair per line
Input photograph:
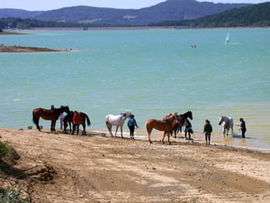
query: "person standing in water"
243, 127
132, 124
207, 130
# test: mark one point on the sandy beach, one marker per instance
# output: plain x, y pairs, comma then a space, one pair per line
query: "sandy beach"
98, 168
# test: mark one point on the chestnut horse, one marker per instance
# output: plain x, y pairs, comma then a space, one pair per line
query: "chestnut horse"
78, 119
181, 120
165, 125
48, 114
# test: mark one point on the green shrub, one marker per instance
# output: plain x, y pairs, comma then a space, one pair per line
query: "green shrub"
11, 196
4, 149
8, 154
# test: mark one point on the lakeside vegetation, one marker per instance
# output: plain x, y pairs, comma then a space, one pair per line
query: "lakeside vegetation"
257, 15
251, 16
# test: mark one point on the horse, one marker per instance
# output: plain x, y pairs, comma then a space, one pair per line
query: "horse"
68, 122
118, 121
166, 125
78, 119
48, 114
181, 121
227, 123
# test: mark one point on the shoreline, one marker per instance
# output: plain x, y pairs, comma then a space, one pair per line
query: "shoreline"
12, 33
198, 139
137, 28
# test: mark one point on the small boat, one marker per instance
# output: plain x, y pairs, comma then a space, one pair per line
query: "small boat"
227, 39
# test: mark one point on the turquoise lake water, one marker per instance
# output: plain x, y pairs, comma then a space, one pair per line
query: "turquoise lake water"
148, 72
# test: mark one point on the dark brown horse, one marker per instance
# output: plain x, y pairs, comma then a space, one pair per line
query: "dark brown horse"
68, 122
166, 125
48, 114
181, 120
78, 119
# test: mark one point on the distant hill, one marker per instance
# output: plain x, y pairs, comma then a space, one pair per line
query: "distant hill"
18, 23
169, 10
18, 13
252, 15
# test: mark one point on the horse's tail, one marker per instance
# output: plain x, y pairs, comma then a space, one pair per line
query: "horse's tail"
36, 120
87, 119
149, 129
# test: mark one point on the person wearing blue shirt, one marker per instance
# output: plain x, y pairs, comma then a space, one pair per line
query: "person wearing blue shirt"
132, 124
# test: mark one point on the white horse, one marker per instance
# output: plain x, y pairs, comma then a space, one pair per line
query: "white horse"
227, 123
118, 121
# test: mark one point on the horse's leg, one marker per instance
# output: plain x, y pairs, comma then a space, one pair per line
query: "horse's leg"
121, 127
73, 129
109, 126
164, 134
169, 135
54, 124
84, 130
78, 129
149, 131
65, 127
116, 130
51, 126
70, 129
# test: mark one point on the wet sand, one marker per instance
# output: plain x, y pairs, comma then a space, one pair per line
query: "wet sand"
98, 168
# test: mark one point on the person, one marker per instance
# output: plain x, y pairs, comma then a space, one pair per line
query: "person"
207, 130
188, 129
243, 127
132, 124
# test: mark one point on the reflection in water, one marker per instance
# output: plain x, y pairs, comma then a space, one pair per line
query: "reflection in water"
228, 141
243, 143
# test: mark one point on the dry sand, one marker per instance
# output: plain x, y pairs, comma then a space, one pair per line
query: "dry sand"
104, 169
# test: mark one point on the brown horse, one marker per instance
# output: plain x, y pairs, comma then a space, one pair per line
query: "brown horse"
48, 114
165, 125
181, 120
78, 119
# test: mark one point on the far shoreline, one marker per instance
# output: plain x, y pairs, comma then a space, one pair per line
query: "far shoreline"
26, 49
109, 28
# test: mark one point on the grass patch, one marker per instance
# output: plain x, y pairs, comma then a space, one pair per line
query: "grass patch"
5, 150
11, 196
7, 153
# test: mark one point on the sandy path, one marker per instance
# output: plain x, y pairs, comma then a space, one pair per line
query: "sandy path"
96, 168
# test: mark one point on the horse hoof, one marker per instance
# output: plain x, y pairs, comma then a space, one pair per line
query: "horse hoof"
170, 143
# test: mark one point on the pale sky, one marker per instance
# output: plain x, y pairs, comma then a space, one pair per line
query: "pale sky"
54, 4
